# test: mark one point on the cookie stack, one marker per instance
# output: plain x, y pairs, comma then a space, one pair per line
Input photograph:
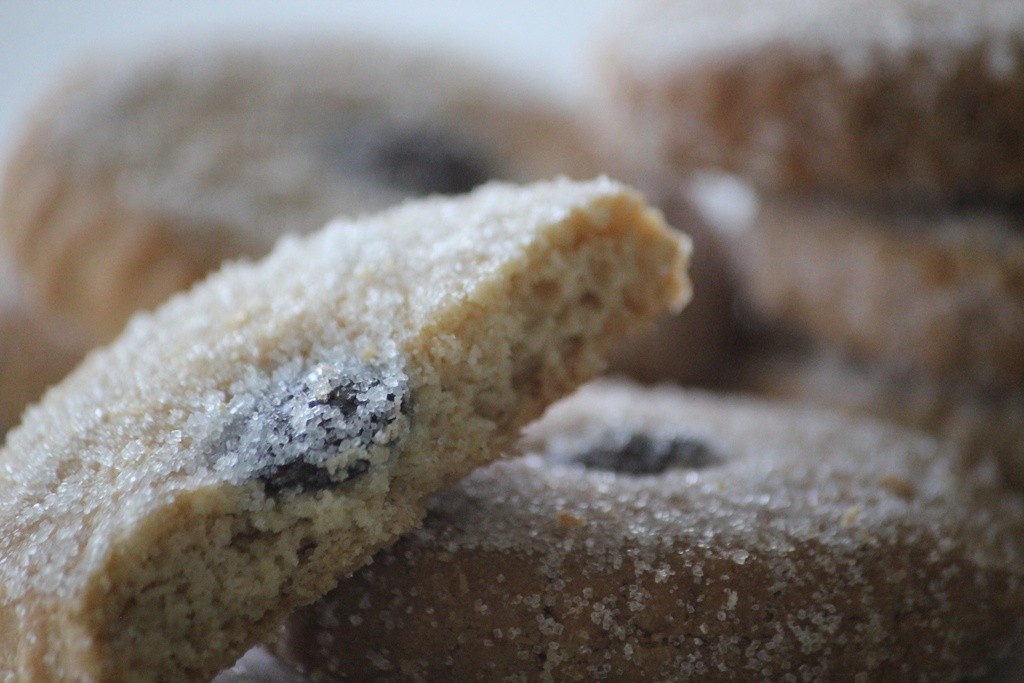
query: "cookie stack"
315, 428
882, 260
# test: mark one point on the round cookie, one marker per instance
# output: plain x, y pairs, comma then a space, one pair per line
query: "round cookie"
918, 100
36, 347
234, 452
662, 535
981, 424
939, 292
134, 178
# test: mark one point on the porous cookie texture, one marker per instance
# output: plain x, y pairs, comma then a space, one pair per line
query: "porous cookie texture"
981, 423
660, 535
880, 99
37, 348
135, 177
233, 453
696, 346
941, 292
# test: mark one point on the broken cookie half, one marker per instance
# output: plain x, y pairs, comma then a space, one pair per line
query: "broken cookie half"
233, 453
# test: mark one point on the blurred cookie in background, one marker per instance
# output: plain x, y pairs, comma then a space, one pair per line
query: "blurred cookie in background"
136, 177
983, 424
37, 348
885, 100
912, 316
940, 292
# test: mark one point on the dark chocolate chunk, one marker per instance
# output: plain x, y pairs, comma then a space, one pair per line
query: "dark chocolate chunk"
419, 161
297, 474
640, 453
320, 431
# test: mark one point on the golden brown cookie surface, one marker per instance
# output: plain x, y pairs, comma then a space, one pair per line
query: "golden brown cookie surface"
665, 536
229, 455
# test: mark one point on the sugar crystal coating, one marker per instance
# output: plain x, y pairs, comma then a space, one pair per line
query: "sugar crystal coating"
321, 429
981, 422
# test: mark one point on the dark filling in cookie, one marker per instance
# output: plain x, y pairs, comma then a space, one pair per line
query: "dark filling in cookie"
641, 453
325, 429
429, 160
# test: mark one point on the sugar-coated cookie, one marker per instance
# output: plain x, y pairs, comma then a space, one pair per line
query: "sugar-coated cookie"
233, 453
879, 99
661, 535
940, 292
135, 177
37, 348
981, 423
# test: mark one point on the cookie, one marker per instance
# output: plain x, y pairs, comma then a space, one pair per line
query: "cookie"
696, 346
230, 455
36, 347
134, 178
662, 535
939, 292
982, 424
905, 100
